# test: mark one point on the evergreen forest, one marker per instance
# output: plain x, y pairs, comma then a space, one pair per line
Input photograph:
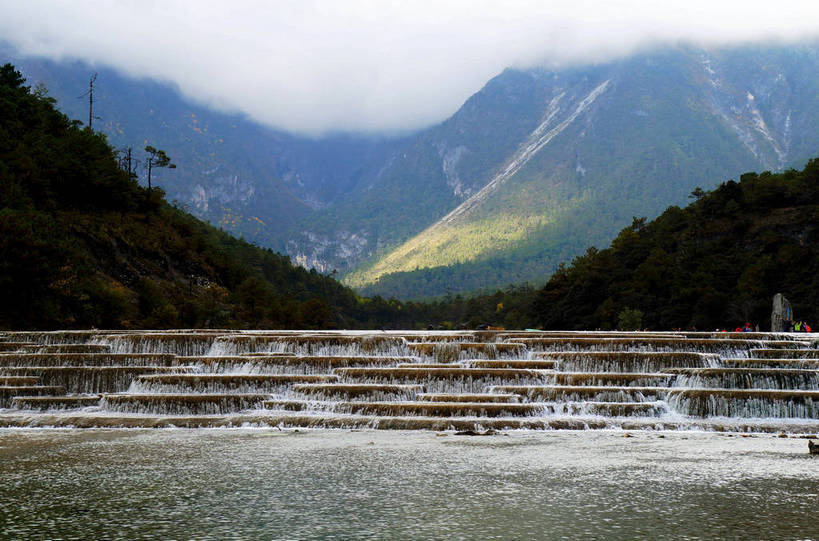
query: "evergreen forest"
716, 263
82, 244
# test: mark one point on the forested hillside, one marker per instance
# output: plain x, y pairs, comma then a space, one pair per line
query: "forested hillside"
82, 244
716, 263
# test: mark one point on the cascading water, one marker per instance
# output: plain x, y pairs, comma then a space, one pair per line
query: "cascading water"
427, 380
747, 378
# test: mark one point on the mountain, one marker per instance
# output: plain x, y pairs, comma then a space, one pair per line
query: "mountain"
714, 264
532, 169
84, 245
240, 176
580, 152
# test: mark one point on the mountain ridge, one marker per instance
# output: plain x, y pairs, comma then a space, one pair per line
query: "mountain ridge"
420, 215
682, 142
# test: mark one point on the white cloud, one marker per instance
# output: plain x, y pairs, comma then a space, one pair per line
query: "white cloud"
357, 65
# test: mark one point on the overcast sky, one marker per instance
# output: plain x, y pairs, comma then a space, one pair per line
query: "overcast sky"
376, 66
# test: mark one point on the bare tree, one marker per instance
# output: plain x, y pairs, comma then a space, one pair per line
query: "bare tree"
127, 162
157, 158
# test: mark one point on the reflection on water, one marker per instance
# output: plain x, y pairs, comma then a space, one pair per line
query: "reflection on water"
269, 484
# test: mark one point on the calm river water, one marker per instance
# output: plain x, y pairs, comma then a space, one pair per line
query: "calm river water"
270, 484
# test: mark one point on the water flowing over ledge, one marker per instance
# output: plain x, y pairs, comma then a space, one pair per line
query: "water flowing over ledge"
752, 382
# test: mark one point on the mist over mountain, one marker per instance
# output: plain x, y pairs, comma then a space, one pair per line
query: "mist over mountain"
245, 178
530, 171
539, 164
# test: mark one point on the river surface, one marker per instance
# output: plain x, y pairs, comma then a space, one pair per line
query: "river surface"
324, 484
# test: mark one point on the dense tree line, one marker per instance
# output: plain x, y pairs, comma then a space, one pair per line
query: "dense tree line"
716, 263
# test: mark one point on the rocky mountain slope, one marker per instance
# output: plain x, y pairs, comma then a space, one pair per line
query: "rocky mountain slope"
604, 144
535, 167
242, 177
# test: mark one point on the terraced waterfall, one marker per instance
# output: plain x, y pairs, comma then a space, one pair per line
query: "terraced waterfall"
752, 382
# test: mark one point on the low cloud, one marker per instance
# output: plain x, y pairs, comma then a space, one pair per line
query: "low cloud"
370, 66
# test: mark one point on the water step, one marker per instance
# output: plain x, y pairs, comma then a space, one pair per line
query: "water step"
8, 392
174, 343
626, 361
424, 408
15, 346
45, 403
803, 363
420, 372
563, 393
637, 379
746, 378
454, 351
608, 409
429, 365
749, 403
86, 359
89, 379
444, 380
182, 404
514, 336
703, 345
535, 364
475, 397
307, 344
67, 348
11, 381
448, 337
372, 391
266, 354
55, 337
717, 335
785, 353
220, 383
308, 364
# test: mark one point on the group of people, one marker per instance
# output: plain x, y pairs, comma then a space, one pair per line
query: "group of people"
791, 326
800, 326
747, 328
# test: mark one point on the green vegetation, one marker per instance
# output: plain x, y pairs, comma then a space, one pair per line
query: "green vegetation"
714, 264
661, 127
668, 121
82, 244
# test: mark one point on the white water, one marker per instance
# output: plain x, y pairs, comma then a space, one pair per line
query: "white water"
651, 377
